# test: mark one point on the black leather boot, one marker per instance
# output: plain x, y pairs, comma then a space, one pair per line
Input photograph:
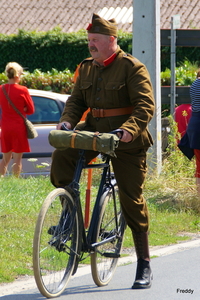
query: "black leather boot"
143, 273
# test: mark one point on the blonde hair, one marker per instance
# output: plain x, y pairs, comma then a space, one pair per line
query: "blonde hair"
13, 69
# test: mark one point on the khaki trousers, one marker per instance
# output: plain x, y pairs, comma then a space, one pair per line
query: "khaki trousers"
130, 171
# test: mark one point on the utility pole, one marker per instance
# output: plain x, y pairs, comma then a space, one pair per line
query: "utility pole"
175, 24
146, 47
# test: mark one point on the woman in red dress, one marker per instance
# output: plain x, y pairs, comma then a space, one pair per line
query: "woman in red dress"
13, 130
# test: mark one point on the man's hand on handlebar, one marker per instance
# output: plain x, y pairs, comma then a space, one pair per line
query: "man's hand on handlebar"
123, 135
126, 136
64, 126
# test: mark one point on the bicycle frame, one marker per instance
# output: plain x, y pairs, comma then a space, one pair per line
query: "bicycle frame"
107, 181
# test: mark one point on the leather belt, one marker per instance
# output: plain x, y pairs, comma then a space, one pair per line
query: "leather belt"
102, 113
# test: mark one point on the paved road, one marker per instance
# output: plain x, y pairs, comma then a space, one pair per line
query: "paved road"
176, 276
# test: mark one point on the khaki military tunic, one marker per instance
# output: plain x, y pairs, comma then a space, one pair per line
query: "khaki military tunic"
122, 82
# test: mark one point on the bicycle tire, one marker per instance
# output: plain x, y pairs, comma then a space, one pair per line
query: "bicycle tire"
55, 243
105, 257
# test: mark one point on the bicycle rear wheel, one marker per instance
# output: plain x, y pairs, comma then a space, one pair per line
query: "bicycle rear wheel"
109, 238
55, 243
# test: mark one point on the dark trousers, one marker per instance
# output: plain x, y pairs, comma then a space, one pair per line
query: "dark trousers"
130, 171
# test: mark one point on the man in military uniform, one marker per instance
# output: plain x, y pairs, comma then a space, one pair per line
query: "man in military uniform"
116, 87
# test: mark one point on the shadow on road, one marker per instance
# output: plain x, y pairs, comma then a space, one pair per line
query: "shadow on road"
86, 289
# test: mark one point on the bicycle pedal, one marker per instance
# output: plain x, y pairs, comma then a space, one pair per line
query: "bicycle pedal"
111, 255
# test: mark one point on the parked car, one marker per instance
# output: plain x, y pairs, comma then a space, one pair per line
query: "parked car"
48, 109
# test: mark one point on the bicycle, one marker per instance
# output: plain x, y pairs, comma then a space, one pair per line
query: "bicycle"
61, 241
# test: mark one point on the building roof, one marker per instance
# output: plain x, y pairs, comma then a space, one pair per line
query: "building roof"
71, 16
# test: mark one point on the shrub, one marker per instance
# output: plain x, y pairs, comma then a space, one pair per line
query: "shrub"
55, 81
185, 74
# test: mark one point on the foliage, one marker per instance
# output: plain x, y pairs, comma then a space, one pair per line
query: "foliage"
60, 50
185, 74
125, 41
182, 53
44, 50
55, 81
52, 49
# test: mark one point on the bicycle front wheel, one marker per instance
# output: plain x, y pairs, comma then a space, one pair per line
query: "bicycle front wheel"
55, 243
109, 238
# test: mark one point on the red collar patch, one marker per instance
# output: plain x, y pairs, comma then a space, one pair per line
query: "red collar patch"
109, 60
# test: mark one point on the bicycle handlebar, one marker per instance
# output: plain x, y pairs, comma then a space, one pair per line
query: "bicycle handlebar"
64, 127
116, 131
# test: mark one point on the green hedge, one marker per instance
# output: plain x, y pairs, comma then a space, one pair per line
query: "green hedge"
58, 50
49, 50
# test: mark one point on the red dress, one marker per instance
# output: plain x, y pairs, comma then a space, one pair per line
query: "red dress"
13, 129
